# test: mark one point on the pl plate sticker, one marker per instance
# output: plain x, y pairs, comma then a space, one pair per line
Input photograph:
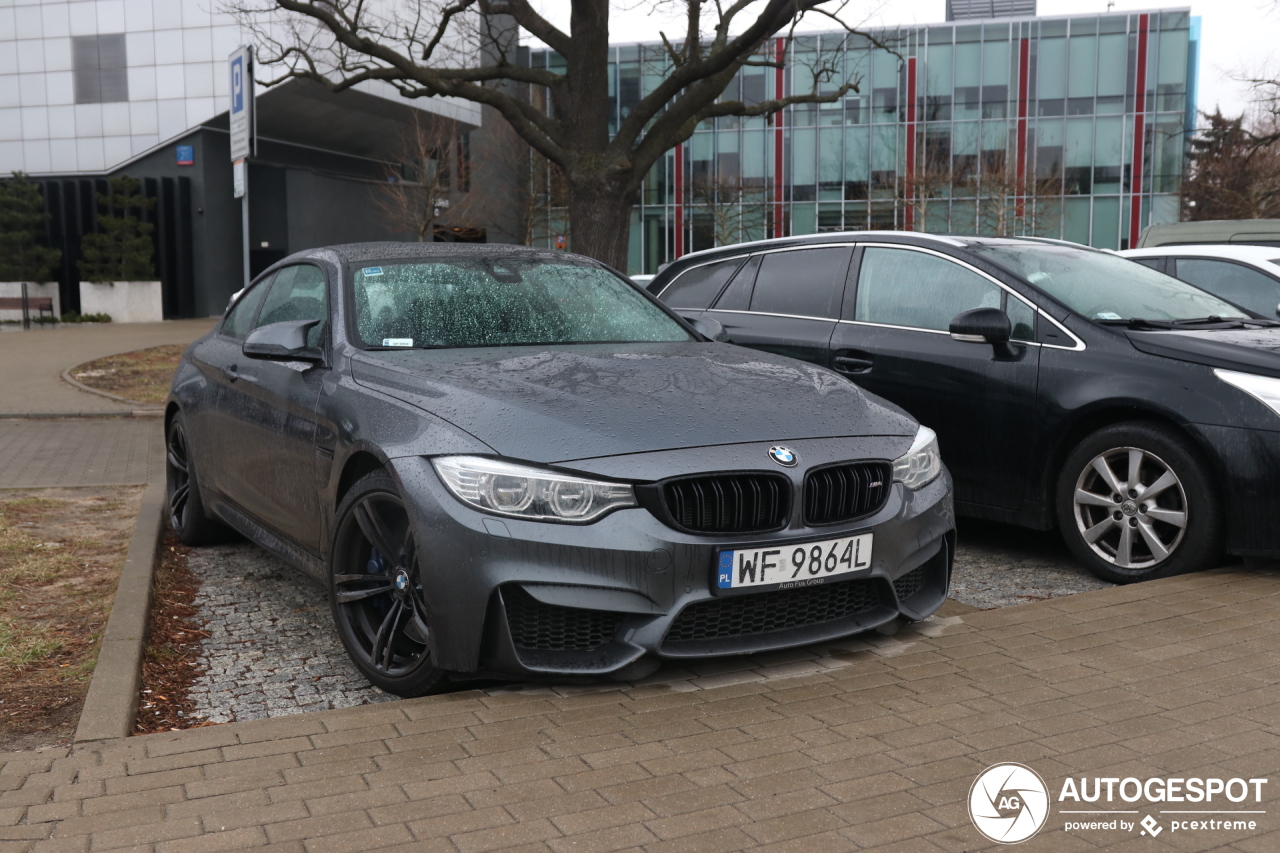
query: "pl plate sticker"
397, 342
371, 271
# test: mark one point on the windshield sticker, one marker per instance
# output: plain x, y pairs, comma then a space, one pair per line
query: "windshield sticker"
1106, 315
397, 342
370, 271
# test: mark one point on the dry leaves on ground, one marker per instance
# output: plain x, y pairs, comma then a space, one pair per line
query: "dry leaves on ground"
142, 376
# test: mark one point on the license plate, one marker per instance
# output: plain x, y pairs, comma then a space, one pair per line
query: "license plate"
801, 564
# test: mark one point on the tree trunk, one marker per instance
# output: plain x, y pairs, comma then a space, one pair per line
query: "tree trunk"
600, 220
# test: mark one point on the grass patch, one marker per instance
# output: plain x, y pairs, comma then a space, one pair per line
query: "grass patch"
142, 376
61, 551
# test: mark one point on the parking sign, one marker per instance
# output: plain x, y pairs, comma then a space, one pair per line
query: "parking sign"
241, 103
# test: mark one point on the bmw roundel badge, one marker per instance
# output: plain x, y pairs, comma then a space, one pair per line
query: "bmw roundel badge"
784, 456
402, 581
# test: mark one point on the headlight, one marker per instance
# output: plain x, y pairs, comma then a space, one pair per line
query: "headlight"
523, 492
919, 465
1262, 388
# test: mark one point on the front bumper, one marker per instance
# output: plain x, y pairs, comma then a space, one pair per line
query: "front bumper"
1248, 469
608, 598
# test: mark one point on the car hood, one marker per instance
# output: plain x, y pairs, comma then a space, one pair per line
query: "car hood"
1249, 350
581, 402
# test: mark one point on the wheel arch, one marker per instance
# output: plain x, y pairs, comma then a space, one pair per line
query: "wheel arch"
357, 465
1089, 422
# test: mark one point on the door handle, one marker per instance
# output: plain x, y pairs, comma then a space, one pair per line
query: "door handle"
231, 373
847, 364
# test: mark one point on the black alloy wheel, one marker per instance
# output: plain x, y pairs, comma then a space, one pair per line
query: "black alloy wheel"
375, 590
1135, 502
182, 493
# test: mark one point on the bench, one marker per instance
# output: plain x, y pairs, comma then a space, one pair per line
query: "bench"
38, 303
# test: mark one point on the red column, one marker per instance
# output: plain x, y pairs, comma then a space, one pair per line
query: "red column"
779, 51
909, 217
1139, 109
1020, 156
679, 200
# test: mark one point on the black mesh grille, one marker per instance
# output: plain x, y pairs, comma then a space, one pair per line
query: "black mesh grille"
844, 492
745, 615
910, 583
546, 627
729, 503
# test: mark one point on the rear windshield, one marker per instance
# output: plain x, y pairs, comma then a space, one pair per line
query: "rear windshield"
1102, 286
468, 302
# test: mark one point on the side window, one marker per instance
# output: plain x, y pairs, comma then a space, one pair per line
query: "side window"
240, 318
900, 287
737, 296
1233, 282
1156, 264
807, 283
298, 293
1022, 317
697, 287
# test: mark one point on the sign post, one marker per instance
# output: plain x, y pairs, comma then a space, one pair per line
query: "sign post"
242, 138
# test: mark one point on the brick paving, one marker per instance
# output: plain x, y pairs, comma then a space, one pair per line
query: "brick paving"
80, 452
1174, 677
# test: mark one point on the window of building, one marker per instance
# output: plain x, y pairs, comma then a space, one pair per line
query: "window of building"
806, 282
900, 287
99, 69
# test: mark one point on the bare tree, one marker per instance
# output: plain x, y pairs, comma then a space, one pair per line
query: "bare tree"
1234, 169
417, 190
522, 193
467, 49
730, 205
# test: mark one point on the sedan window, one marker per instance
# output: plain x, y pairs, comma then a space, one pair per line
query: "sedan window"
695, 288
1234, 282
806, 283
298, 293
900, 287
466, 302
240, 317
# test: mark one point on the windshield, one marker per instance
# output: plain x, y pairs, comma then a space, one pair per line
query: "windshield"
470, 302
1104, 287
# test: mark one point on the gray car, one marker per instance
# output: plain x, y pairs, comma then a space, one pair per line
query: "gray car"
504, 461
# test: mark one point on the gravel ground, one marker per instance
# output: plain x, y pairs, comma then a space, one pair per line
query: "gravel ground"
998, 565
272, 650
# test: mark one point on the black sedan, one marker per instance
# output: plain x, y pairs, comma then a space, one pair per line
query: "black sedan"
502, 460
1067, 386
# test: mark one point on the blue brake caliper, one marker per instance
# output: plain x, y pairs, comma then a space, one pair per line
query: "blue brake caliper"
377, 565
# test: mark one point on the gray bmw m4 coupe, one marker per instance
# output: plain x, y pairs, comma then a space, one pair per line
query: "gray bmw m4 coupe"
511, 462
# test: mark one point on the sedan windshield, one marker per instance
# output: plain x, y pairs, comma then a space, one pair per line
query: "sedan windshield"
1106, 287
470, 302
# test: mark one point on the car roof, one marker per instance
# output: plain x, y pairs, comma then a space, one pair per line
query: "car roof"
360, 252
1269, 255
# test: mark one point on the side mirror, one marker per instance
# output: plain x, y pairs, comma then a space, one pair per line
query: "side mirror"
709, 328
285, 341
982, 325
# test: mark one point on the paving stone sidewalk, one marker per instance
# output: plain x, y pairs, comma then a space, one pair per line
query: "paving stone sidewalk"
1176, 677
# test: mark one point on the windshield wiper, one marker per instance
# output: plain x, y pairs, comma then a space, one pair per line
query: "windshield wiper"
1212, 321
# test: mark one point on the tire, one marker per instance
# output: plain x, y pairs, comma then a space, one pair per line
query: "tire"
1108, 525
187, 516
376, 593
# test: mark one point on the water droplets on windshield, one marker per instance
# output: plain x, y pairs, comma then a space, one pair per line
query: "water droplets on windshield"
465, 302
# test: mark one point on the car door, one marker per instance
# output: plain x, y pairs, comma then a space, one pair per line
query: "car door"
267, 412
979, 398
786, 301
1233, 281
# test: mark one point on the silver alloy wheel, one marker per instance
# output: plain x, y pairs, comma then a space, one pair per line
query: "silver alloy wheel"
1134, 520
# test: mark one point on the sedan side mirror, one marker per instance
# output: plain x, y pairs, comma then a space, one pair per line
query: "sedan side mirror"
982, 325
709, 328
285, 341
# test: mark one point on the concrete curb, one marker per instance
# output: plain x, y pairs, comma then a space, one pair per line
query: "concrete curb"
140, 413
112, 700
80, 386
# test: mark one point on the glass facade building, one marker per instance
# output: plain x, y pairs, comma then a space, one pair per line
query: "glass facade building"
1006, 126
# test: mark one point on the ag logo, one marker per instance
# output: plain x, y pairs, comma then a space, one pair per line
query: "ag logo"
1008, 803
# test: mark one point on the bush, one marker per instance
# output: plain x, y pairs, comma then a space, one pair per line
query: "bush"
22, 223
122, 250
76, 317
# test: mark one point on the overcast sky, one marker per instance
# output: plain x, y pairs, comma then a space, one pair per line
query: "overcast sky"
1238, 36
